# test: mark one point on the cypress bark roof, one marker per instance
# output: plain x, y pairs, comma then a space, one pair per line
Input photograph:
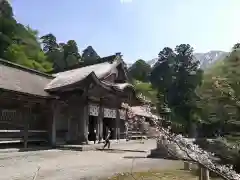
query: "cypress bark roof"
20, 79
96, 71
82, 64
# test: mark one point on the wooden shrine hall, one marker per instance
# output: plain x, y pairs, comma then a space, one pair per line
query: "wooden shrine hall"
65, 107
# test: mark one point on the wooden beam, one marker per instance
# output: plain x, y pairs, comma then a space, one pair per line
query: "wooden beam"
55, 111
26, 119
100, 121
4, 94
18, 131
117, 123
85, 123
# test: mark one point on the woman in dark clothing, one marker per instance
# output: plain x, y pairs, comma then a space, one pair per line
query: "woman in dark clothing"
107, 141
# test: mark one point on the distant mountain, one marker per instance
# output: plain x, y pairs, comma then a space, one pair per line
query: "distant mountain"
152, 62
206, 59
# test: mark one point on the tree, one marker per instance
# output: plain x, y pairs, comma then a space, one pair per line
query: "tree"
89, 55
146, 90
7, 27
19, 43
62, 55
188, 78
71, 53
236, 46
49, 43
229, 85
5, 9
162, 73
162, 76
220, 95
140, 70
176, 76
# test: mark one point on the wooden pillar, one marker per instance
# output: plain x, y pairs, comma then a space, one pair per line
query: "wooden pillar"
126, 127
85, 123
101, 129
69, 129
53, 139
203, 173
100, 123
55, 112
117, 123
26, 117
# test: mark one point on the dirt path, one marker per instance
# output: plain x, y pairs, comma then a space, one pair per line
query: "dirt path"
74, 165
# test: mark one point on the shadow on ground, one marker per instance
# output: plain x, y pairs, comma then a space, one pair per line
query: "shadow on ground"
121, 150
134, 157
19, 147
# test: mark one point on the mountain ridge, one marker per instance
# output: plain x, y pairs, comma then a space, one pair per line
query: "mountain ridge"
205, 59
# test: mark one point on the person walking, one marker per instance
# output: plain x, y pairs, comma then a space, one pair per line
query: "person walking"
107, 141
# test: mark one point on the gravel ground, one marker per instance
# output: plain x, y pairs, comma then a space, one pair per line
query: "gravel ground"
75, 165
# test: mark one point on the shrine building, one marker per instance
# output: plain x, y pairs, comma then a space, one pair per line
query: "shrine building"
65, 107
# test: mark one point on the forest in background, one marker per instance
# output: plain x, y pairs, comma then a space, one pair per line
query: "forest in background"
22, 45
207, 102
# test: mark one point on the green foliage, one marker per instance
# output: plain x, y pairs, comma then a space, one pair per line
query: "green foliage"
140, 70
176, 76
90, 56
71, 49
18, 43
7, 26
223, 150
49, 43
147, 90
236, 46
220, 94
63, 56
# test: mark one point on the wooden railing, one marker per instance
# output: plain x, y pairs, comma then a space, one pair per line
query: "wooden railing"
203, 172
17, 136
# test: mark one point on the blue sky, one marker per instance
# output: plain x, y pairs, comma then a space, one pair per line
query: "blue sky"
137, 28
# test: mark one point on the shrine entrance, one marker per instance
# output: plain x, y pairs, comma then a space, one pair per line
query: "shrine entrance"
108, 124
92, 125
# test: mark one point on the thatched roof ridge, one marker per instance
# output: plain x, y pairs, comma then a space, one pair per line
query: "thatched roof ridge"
67, 78
20, 67
17, 78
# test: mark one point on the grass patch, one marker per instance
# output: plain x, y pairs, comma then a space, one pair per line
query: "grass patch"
156, 175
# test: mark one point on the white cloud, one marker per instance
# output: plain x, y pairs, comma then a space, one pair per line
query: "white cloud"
125, 1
